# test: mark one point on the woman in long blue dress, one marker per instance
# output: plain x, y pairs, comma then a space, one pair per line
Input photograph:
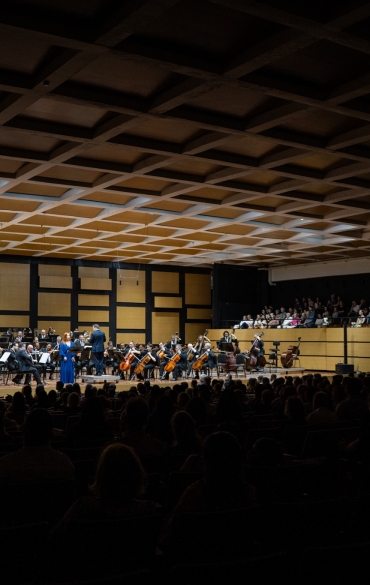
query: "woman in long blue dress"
67, 367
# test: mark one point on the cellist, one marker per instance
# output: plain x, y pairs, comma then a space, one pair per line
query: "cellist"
259, 344
131, 350
148, 370
182, 363
211, 361
164, 355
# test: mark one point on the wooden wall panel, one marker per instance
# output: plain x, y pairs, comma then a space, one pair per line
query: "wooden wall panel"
59, 326
54, 270
131, 318
199, 314
129, 291
92, 272
56, 281
135, 337
54, 304
358, 334
168, 302
93, 300
165, 282
197, 289
96, 284
14, 287
14, 321
193, 330
93, 315
164, 324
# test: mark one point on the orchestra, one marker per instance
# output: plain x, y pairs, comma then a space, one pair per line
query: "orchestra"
167, 360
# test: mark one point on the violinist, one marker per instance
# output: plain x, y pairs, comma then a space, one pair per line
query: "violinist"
164, 354
181, 364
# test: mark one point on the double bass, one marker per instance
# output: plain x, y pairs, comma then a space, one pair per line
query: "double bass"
250, 361
287, 358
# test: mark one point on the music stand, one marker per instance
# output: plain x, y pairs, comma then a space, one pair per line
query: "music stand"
227, 347
74, 349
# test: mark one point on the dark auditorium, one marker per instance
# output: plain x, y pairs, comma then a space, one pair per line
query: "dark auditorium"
184, 292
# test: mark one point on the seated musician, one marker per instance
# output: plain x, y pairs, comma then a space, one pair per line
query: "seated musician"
211, 360
50, 365
164, 355
80, 342
182, 364
131, 349
225, 339
193, 353
173, 341
43, 335
148, 371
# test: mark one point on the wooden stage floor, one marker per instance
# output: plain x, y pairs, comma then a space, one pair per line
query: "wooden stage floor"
124, 385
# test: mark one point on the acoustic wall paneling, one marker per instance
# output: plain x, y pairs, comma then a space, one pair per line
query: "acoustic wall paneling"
135, 337
193, 330
197, 289
164, 324
131, 318
56, 281
14, 287
14, 321
54, 270
167, 302
93, 300
54, 304
192, 313
96, 284
131, 285
93, 315
93, 272
59, 326
165, 282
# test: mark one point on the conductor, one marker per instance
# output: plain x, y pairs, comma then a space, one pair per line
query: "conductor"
97, 340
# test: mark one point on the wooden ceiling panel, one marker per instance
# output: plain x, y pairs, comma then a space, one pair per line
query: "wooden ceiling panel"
51, 110
116, 73
175, 132
38, 189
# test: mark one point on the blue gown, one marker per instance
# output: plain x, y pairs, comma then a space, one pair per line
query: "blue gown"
67, 369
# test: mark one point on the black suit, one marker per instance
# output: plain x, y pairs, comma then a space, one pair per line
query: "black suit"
26, 365
181, 365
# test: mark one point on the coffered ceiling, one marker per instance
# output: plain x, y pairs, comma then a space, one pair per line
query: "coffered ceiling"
185, 131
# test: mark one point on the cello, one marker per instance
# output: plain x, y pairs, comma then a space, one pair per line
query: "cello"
250, 361
171, 364
198, 364
287, 358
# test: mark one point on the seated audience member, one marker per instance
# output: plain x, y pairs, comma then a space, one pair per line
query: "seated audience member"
134, 436
118, 484
319, 321
18, 405
8, 423
353, 407
266, 453
159, 422
91, 430
321, 414
222, 487
246, 322
287, 323
36, 461
186, 441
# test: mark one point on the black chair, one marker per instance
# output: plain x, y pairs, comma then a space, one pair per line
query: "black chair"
94, 547
210, 536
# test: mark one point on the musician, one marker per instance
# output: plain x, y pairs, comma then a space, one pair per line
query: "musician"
43, 334
228, 338
182, 364
79, 364
26, 363
97, 340
166, 355
194, 354
57, 343
259, 344
211, 360
110, 361
148, 371
9, 334
131, 349
173, 341
49, 364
